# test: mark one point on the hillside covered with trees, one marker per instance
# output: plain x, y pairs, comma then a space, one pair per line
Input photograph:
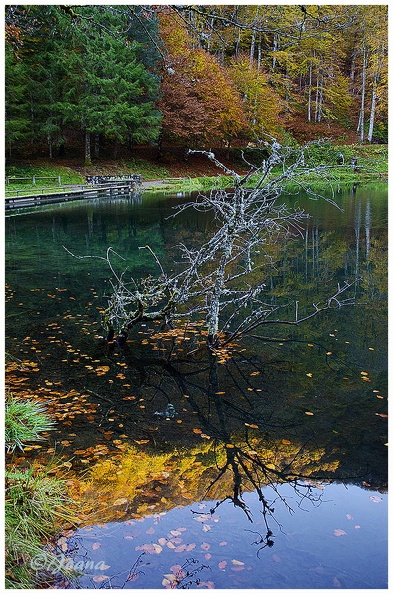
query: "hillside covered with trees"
91, 81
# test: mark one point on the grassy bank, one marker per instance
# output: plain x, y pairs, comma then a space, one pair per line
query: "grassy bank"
36, 501
372, 164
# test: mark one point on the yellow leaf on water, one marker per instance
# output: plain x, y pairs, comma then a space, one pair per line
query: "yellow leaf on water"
309, 374
309, 413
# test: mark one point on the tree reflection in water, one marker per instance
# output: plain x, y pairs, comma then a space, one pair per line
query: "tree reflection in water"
243, 422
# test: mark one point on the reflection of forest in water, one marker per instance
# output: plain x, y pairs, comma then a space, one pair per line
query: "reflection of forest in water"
286, 405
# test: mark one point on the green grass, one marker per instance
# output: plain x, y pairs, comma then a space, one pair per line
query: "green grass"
23, 187
68, 175
35, 501
25, 420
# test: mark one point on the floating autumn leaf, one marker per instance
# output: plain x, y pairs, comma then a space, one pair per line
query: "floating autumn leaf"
375, 499
141, 441
102, 369
222, 564
229, 446
150, 531
190, 547
169, 581
349, 517
285, 441
339, 532
381, 415
178, 571
197, 431
309, 413
150, 548
309, 374
96, 545
252, 426
100, 578
205, 546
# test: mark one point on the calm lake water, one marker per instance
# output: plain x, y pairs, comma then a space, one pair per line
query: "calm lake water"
272, 470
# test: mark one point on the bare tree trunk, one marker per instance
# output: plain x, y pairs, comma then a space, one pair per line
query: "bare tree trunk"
275, 49
253, 38
309, 94
360, 128
372, 110
353, 68
259, 54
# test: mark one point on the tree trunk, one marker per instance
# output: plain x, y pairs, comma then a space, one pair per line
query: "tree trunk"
309, 94
275, 48
116, 148
87, 148
360, 128
97, 145
372, 109
50, 147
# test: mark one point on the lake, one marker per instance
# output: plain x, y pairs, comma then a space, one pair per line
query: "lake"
270, 468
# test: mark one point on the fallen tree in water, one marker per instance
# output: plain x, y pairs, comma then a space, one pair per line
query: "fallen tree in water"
222, 281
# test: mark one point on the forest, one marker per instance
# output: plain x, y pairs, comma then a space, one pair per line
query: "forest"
94, 80
196, 367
